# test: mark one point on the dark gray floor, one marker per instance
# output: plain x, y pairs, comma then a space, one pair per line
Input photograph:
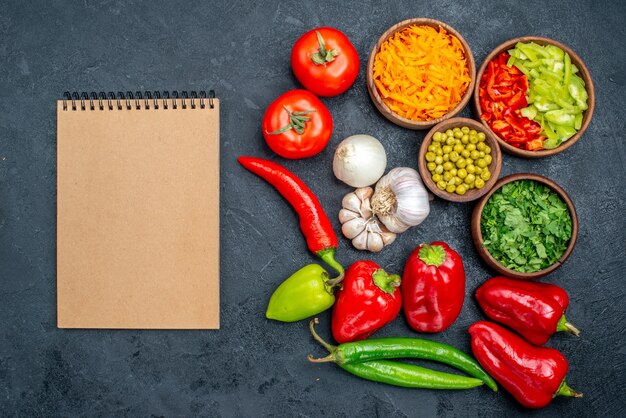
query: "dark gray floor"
252, 366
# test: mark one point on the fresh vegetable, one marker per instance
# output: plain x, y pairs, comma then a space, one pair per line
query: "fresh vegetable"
557, 96
535, 310
297, 125
533, 375
359, 160
502, 95
392, 348
305, 293
421, 72
325, 61
458, 160
359, 224
433, 287
400, 200
369, 298
314, 223
526, 226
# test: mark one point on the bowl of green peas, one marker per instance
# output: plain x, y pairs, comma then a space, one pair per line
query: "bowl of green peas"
459, 160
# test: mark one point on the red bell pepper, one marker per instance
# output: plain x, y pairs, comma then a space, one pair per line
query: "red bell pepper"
502, 94
433, 287
535, 310
368, 299
533, 375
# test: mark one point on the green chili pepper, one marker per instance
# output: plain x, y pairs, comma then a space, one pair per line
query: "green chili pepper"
305, 293
365, 359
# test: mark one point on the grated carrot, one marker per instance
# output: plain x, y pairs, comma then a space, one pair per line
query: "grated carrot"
421, 72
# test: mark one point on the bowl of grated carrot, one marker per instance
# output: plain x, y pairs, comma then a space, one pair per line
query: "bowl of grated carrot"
420, 72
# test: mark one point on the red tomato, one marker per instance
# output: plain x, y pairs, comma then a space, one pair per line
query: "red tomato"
325, 61
297, 125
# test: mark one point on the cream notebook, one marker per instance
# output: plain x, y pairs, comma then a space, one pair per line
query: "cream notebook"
138, 211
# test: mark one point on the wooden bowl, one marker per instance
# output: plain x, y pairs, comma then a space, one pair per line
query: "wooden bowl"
478, 238
494, 167
384, 109
584, 74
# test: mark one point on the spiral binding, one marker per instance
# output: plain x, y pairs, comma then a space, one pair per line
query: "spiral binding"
154, 100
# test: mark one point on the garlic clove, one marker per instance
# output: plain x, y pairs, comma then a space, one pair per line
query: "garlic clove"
353, 227
388, 237
345, 215
366, 209
393, 224
374, 242
351, 202
364, 193
360, 241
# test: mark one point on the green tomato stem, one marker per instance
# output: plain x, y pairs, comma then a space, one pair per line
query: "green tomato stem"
323, 55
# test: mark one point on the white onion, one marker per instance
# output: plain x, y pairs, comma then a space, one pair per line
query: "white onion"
360, 160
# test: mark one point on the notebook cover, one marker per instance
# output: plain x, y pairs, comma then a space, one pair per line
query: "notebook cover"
138, 217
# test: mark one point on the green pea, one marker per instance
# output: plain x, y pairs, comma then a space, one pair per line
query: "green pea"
473, 139
474, 155
458, 134
461, 190
439, 159
461, 163
441, 185
454, 156
447, 149
450, 188
457, 141
448, 166
473, 132
458, 181
469, 179
481, 154
430, 156
487, 149
481, 162
449, 133
470, 168
465, 153
447, 176
437, 177
488, 159
461, 173
465, 139
432, 148
450, 141
439, 169
437, 136
431, 166
470, 186
465, 130
479, 183
439, 151
485, 175
470, 147
478, 169
446, 157
480, 146
458, 148
453, 170
481, 136
456, 130
469, 161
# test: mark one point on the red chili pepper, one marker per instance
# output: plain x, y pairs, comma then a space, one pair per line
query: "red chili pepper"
369, 298
314, 223
502, 93
433, 287
535, 310
533, 375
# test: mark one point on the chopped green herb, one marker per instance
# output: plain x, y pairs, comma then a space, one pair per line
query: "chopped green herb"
526, 227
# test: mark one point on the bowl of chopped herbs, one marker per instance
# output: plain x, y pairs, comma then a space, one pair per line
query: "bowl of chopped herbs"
525, 227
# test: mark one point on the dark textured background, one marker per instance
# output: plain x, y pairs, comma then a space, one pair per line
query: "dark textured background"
252, 366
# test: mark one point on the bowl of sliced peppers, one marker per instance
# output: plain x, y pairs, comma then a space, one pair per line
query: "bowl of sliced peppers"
525, 227
536, 95
420, 72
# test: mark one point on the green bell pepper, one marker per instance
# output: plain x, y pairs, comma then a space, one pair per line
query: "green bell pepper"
305, 293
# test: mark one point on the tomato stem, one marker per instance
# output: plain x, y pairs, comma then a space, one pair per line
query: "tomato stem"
323, 55
296, 121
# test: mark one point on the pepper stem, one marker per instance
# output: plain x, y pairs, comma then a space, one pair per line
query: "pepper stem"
433, 255
563, 325
328, 256
331, 348
386, 282
567, 391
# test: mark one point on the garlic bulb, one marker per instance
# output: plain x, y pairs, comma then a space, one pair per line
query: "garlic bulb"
359, 224
400, 200
359, 160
